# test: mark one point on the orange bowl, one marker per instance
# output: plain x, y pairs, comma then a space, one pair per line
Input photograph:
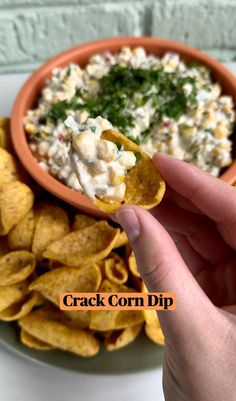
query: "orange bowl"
30, 92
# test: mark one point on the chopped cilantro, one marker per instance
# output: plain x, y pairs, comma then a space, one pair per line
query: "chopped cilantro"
119, 146
118, 95
138, 157
93, 128
182, 127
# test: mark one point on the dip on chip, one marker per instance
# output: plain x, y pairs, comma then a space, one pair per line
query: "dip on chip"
113, 170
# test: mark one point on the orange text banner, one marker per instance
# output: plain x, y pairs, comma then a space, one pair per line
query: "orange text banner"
122, 301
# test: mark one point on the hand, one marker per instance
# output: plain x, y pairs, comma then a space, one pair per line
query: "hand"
187, 245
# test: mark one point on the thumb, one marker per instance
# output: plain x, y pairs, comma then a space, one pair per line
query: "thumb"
163, 270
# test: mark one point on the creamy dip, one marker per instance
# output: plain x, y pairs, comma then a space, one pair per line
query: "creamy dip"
100, 165
163, 104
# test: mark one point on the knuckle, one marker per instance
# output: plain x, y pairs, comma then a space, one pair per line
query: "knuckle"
155, 272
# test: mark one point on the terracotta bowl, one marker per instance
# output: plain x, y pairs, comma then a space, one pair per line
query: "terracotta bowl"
30, 92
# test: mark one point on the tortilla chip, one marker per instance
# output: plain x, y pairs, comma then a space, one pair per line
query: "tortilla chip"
10, 169
67, 279
150, 315
78, 319
151, 318
82, 221
60, 336
152, 327
41, 301
21, 236
16, 200
155, 334
19, 309
126, 318
144, 185
52, 224
11, 294
120, 338
81, 247
115, 269
103, 320
52, 264
16, 266
133, 266
110, 286
5, 134
4, 247
50, 311
121, 240
33, 342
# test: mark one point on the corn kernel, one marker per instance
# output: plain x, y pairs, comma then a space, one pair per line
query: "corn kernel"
221, 132
30, 129
107, 150
99, 167
127, 159
116, 180
116, 176
187, 132
85, 146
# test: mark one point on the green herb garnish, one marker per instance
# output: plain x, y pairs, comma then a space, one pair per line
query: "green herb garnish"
93, 128
119, 146
118, 95
182, 127
138, 157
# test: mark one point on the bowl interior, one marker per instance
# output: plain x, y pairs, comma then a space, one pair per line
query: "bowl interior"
30, 92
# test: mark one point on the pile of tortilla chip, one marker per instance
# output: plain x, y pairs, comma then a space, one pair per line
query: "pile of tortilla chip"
44, 251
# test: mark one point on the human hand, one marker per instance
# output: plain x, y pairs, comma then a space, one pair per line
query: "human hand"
187, 245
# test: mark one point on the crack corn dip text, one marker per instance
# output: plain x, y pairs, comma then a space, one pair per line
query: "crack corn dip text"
162, 104
100, 165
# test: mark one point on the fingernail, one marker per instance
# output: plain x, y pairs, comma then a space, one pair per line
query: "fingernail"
128, 220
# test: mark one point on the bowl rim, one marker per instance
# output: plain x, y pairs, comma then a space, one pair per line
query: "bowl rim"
19, 137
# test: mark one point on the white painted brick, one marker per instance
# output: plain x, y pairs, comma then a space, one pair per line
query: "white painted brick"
37, 34
202, 23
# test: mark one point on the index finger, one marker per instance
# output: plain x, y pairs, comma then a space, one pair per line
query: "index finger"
210, 195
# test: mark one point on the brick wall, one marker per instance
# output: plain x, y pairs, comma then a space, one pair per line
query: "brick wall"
31, 31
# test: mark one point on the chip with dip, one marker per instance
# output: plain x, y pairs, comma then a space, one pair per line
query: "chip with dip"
113, 170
